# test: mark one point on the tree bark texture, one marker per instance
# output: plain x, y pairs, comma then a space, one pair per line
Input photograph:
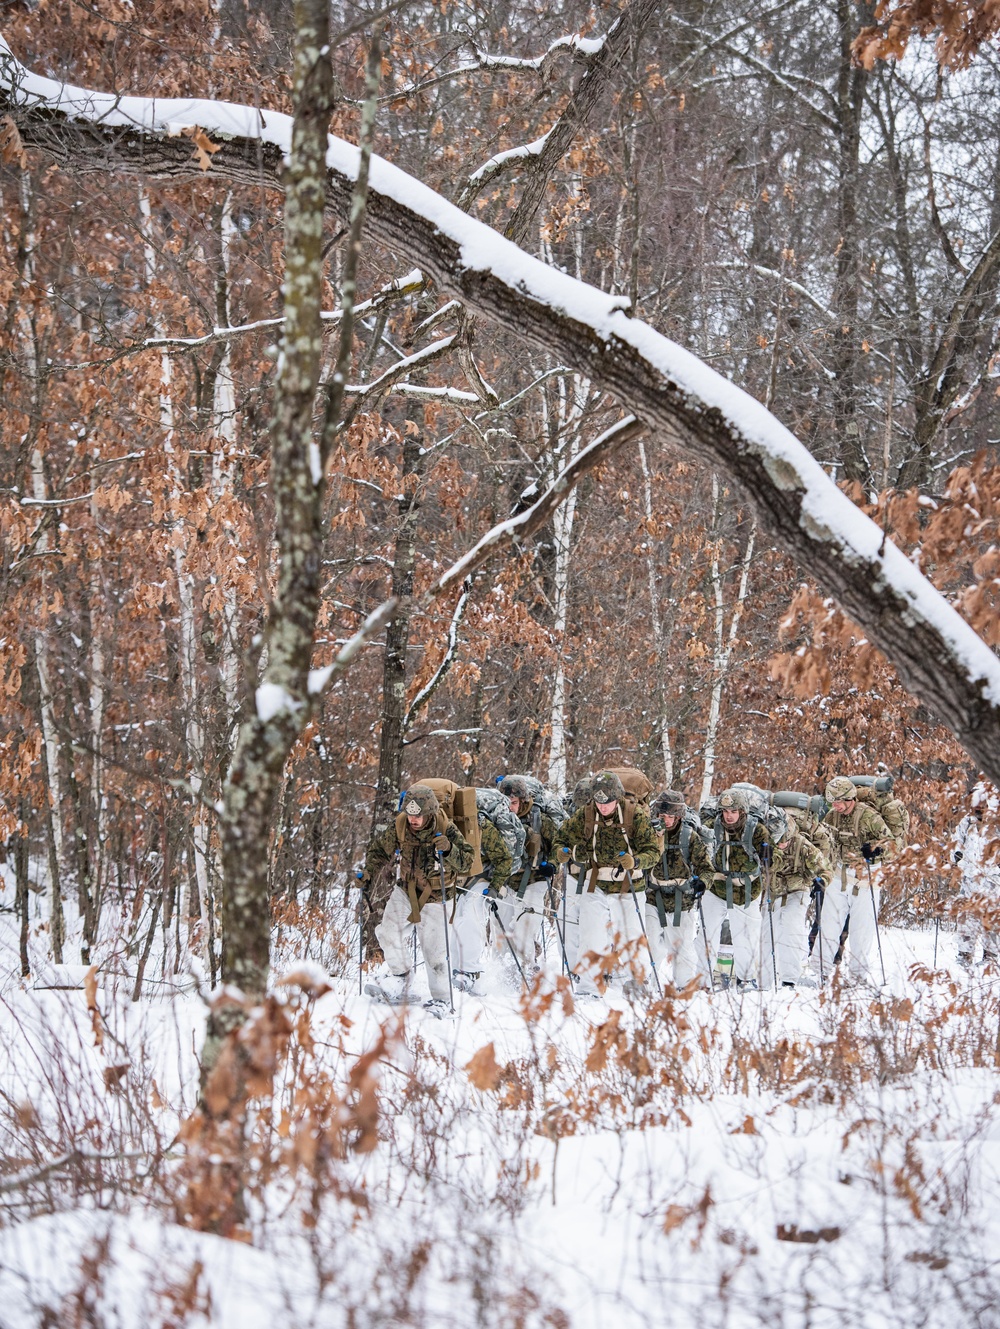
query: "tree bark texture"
937, 656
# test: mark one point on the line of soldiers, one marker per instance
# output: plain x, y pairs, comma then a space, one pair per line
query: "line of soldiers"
623, 887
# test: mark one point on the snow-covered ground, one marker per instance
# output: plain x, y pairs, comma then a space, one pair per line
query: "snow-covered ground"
792, 1159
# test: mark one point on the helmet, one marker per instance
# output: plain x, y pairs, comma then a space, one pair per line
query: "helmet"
840, 788
420, 801
582, 791
733, 798
669, 803
514, 786
607, 788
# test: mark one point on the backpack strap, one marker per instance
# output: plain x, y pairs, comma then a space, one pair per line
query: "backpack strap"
531, 864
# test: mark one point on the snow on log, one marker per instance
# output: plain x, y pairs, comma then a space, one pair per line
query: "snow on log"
937, 655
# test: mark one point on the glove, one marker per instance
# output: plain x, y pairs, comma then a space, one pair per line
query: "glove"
627, 861
565, 853
546, 870
698, 886
869, 854
817, 886
442, 845
958, 855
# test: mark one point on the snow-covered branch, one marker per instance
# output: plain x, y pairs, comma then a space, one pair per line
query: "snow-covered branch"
431, 686
395, 290
937, 654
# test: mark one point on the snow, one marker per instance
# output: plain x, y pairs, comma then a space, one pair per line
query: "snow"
828, 516
272, 699
795, 1159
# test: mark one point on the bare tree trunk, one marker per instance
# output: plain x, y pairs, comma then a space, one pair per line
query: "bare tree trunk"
724, 644
21, 895
397, 637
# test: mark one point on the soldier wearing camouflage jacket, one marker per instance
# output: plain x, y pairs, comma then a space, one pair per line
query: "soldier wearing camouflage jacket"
682, 867
415, 847
522, 905
611, 844
861, 842
797, 870
741, 847
469, 934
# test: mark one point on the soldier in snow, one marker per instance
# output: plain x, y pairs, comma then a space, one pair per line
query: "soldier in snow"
425, 852
741, 844
862, 842
612, 843
469, 936
675, 881
980, 882
522, 904
797, 872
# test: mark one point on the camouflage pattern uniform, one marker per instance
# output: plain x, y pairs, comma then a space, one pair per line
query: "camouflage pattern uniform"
522, 906
735, 889
607, 859
795, 866
469, 935
671, 916
854, 892
412, 854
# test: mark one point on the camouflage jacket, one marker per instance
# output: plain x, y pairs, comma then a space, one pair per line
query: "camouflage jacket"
794, 867
850, 830
497, 861
419, 873
814, 830
670, 865
737, 877
606, 845
539, 846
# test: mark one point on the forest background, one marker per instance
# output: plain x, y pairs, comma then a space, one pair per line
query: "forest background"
823, 233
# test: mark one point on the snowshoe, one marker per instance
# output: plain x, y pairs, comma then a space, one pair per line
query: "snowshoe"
391, 990
462, 981
439, 1008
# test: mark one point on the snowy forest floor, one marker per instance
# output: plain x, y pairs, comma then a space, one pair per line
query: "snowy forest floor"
790, 1159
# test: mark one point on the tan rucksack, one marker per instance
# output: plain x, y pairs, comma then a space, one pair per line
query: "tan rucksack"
891, 809
638, 791
459, 805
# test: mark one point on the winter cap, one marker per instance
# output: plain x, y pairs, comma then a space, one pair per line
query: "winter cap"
421, 801
669, 803
841, 788
607, 788
515, 786
733, 798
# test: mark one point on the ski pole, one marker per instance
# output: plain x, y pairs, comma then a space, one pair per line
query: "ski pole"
361, 942
817, 894
770, 920
554, 910
768, 880
565, 893
704, 931
642, 924
447, 943
510, 947
878, 935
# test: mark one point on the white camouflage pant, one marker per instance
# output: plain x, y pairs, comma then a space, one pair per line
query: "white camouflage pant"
744, 924
791, 938
673, 948
607, 924
522, 920
468, 936
840, 904
395, 936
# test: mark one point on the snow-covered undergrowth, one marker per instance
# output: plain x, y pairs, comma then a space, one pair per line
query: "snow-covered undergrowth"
726, 1160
